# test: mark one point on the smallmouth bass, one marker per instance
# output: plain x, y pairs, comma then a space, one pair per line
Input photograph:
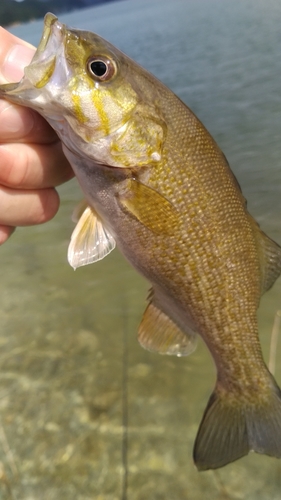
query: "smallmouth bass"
156, 183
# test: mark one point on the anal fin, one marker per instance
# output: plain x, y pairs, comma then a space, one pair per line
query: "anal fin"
158, 333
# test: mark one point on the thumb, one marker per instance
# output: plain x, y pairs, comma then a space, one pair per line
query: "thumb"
15, 54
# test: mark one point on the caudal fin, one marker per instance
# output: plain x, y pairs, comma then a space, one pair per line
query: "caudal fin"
230, 429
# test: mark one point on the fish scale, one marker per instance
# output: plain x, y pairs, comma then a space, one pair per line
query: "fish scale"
158, 186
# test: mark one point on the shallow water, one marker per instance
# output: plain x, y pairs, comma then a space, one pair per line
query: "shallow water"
85, 413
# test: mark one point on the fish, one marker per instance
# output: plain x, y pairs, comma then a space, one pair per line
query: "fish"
157, 185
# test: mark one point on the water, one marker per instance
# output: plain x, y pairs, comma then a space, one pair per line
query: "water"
85, 412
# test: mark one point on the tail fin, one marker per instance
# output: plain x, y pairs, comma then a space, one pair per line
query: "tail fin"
231, 428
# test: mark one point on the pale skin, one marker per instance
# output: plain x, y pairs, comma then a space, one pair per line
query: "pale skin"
31, 160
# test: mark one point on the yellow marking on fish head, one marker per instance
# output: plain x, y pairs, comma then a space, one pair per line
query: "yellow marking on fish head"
105, 100
39, 74
99, 104
78, 108
77, 101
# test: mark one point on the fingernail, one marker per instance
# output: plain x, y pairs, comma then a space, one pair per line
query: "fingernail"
16, 59
15, 122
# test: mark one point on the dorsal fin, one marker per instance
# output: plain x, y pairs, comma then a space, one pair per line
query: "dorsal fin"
158, 333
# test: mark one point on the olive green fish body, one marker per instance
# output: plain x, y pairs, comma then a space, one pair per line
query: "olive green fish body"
157, 184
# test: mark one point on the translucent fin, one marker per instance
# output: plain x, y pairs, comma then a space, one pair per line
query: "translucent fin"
150, 208
231, 428
90, 241
269, 255
158, 333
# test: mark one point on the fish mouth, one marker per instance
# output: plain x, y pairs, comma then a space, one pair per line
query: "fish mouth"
43, 64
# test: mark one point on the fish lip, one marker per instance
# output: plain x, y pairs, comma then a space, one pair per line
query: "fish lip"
53, 30
42, 65
49, 20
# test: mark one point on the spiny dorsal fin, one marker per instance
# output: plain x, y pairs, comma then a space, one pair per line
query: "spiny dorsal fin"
158, 333
90, 240
269, 255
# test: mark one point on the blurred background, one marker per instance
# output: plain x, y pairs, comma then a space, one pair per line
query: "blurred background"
18, 11
85, 412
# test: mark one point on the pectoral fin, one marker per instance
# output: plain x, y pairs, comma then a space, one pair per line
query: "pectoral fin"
158, 333
150, 208
90, 240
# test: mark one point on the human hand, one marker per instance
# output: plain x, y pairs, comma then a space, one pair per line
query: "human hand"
31, 158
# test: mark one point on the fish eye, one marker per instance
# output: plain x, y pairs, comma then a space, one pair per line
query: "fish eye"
101, 68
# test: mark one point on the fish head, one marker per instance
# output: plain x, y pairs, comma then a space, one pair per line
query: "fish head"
93, 95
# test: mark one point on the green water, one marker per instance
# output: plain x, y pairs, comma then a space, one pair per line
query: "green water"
85, 413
